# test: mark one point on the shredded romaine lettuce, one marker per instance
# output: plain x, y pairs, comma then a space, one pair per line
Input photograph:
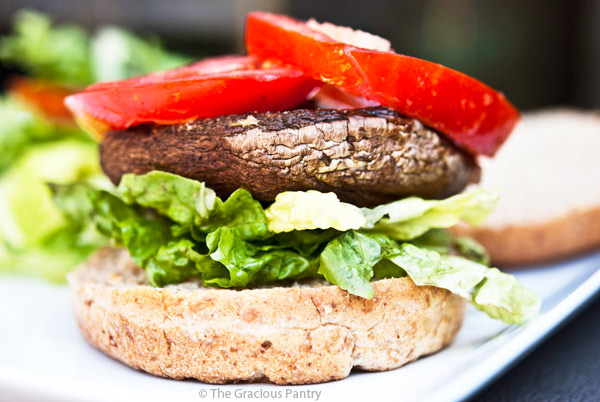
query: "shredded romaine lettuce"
176, 228
348, 260
498, 294
501, 296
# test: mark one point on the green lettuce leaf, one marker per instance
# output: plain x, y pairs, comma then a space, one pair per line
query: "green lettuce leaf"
248, 264
429, 268
501, 296
236, 255
141, 231
348, 260
498, 294
405, 219
385, 269
445, 243
189, 202
471, 249
166, 257
241, 213
183, 200
302, 210
411, 217
173, 262
351, 260
305, 242
73, 201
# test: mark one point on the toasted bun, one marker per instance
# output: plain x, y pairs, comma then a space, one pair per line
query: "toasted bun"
301, 334
550, 172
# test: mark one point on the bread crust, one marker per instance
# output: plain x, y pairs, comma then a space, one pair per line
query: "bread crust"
285, 335
534, 243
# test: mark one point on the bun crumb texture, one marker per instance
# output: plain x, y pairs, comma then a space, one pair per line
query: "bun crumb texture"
549, 170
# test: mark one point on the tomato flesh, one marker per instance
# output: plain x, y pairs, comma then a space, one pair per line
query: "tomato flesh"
43, 97
469, 112
330, 97
209, 88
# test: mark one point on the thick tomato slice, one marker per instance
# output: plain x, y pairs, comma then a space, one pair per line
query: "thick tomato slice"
468, 111
209, 88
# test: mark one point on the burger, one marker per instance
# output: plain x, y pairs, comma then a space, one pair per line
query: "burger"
280, 216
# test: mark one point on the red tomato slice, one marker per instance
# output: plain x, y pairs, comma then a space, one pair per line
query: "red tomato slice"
468, 111
209, 88
44, 98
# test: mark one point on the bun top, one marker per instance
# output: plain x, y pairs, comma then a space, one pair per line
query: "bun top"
548, 167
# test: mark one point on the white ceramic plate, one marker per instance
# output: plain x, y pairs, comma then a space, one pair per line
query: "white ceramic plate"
44, 358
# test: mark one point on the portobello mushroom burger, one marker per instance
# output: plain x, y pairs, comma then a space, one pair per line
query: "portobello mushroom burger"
280, 216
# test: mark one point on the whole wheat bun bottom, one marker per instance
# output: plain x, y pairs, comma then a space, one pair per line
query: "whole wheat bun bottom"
300, 334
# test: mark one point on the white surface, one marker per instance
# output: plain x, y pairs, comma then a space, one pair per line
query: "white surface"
44, 358
540, 173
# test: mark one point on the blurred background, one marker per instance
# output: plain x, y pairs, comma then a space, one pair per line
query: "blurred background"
539, 53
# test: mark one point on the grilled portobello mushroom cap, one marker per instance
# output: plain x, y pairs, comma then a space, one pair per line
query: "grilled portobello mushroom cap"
366, 156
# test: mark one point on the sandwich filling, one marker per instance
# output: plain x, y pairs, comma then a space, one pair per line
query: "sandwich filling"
177, 228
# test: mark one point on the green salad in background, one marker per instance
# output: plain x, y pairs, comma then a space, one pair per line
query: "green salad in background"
45, 224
